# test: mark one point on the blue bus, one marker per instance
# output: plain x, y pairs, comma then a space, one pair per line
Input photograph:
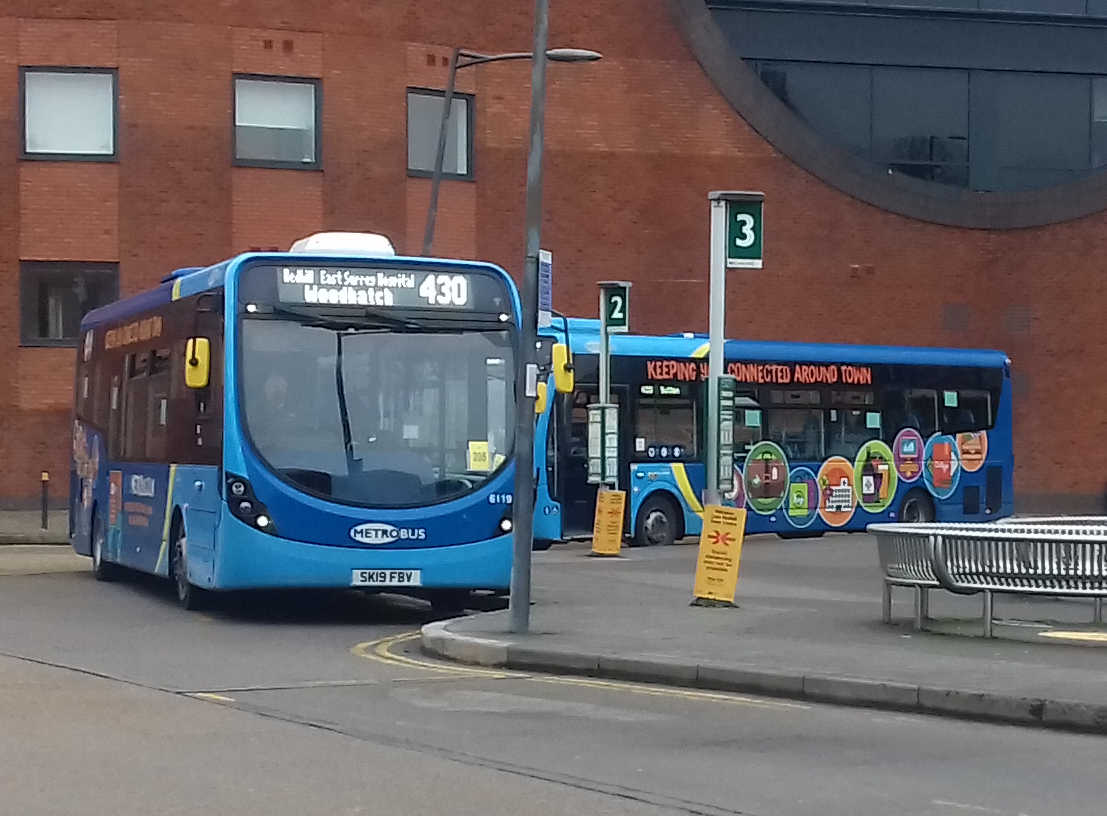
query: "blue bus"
828, 437
333, 416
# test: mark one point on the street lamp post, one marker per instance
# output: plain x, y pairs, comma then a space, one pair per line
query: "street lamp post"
526, 373
466, 59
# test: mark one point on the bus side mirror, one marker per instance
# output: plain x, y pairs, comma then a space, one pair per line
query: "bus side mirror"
197, 362
542, 400
562, 369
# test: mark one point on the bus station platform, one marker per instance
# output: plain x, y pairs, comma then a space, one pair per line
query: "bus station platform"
808, 626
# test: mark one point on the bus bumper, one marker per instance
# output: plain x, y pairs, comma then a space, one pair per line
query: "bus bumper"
249, 559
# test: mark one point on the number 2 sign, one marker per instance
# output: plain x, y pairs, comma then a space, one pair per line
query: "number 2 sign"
616, 306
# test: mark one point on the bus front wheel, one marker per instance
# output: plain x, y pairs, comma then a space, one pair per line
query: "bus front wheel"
916, 508
658, 523
188, 596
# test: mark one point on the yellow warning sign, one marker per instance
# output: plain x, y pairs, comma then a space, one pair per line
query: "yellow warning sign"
607, 531
478, 455
720, 552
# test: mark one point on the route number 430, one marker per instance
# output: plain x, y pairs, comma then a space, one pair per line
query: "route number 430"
445, 290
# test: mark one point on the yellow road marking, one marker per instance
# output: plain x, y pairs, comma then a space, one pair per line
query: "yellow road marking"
219, 698
1091, 637
381, 651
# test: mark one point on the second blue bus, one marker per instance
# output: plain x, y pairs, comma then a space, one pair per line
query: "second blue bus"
828, 437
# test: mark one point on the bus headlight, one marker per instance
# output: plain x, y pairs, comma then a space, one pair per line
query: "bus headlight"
245, 506
505, 525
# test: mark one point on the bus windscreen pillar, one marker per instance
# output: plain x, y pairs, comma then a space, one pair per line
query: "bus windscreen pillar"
736, 243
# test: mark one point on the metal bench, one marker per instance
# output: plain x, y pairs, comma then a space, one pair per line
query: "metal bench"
1052, 556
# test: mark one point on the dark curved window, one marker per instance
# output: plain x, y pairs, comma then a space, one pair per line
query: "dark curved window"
988, 97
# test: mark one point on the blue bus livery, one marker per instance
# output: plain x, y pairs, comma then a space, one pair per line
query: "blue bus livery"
828, 437
329, 417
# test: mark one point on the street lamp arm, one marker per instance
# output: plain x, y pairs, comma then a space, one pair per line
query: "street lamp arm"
467, 58
460, 58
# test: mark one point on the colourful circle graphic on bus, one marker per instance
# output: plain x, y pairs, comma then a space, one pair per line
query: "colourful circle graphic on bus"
907, 452
803, 497
874, 476
943, 465
766, 480
737, 496
973, 450
837, 500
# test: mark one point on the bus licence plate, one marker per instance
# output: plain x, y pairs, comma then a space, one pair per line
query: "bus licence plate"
387, 577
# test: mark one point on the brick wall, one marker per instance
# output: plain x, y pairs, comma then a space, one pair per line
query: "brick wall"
633, 145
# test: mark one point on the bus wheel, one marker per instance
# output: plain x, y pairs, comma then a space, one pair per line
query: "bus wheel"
916, 508
188, 596
658, 523
101, 569
449, 601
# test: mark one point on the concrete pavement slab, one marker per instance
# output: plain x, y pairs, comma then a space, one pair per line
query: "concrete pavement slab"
808, 626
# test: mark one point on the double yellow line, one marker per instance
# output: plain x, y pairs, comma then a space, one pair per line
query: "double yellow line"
380, 651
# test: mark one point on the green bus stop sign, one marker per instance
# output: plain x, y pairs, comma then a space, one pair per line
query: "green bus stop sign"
616, 306
744, 232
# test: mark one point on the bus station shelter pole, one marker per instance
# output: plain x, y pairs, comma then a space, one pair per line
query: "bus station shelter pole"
717, 333
737, 224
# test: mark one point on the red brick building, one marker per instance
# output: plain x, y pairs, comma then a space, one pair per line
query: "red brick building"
633, 145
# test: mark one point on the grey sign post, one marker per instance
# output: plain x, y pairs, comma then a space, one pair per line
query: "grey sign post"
603, 417
737, 241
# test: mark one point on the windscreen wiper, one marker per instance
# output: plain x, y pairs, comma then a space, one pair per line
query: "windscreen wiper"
380, 319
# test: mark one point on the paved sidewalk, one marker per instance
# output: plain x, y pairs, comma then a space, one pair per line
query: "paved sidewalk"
25, 527
808, 626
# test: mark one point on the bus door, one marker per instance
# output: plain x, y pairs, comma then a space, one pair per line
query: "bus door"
578, 497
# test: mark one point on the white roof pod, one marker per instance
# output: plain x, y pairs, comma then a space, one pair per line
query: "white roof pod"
344, 243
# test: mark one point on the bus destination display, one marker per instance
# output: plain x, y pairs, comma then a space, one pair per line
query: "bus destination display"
398, 288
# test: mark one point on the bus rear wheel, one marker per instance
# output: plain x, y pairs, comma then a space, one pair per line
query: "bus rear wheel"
658, 524
102, 570
188, 596
917, 508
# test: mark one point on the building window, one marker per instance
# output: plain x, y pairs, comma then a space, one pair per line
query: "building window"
424, 119
54, 296
276, 122
69, 113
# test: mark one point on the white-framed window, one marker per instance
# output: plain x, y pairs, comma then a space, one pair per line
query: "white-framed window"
424, 120
276, 121
69, 113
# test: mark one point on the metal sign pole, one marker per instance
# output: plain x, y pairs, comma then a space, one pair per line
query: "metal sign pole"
605, 352
717, 313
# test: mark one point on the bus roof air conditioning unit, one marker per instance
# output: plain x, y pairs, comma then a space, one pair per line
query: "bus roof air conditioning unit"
344, 243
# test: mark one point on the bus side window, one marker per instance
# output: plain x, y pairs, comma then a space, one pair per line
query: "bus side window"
747, 422
921, 410
115, 431
135, 391
966, 410
794, 421
157, 405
